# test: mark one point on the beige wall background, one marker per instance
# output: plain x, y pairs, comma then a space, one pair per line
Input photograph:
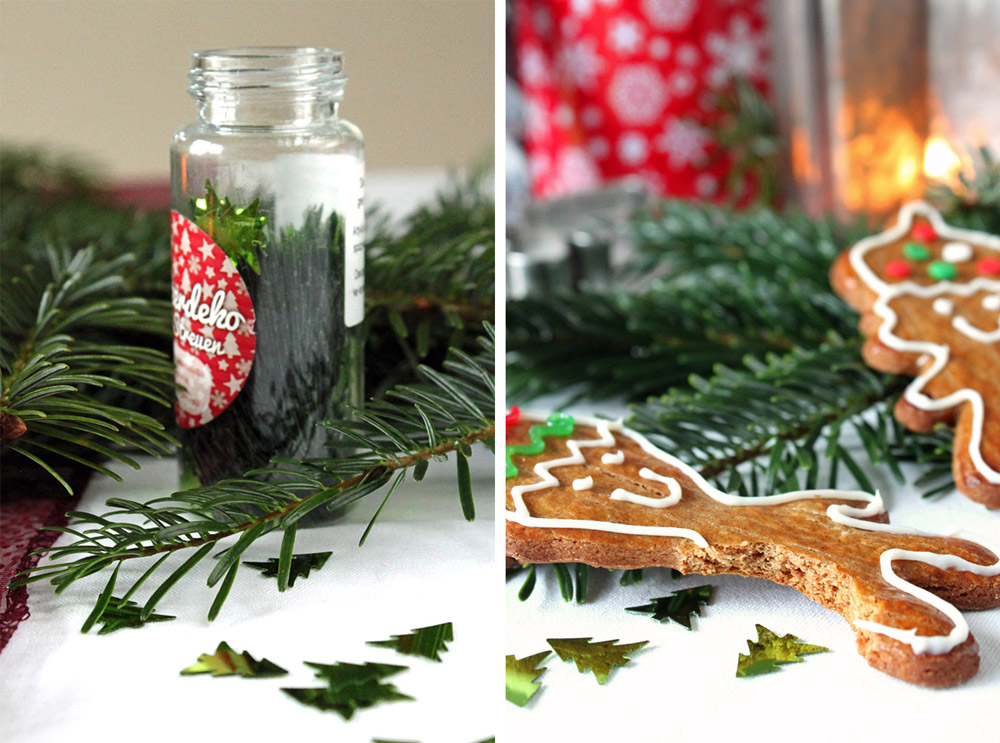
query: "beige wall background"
107, 78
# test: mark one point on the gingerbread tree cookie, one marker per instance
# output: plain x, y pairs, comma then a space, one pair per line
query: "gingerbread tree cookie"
929, 295
595, 492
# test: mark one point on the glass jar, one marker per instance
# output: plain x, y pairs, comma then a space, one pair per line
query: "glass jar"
267, 236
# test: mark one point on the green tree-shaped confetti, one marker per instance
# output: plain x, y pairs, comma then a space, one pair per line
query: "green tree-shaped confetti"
350, 687
227, 662
425, 641
300, 565
238, 231
771, 651
121, 613
599, 657
521, 675
678, 606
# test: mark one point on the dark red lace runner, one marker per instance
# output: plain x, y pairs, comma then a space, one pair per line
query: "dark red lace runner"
22, 516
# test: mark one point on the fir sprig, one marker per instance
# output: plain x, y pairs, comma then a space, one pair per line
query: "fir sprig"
446, 412
753, 362
429, 281
726, 285
67, 377
975, 202
443, 254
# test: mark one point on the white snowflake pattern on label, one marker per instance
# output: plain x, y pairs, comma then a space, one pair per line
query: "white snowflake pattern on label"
213, 324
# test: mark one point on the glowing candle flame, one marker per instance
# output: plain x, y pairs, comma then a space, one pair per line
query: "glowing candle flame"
940, 161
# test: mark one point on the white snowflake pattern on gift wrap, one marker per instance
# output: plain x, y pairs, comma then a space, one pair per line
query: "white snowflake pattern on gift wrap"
637, 94
194, 264
707, 185
655, 181
598, 147
536, 121
583, 63
625, 35
632, 148
669, 15
542, 21
688, 55
591, 117
569, 26
575, 171
533, 67
540, 166
659, 48
681, 83
564, 116
738, 54
684, 142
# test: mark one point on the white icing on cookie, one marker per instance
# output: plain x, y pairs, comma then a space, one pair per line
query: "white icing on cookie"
914, 393
943, 306
991, 302
616, 458
844, 514
645, 500
584, 483
673, 491
956, 252
983, 336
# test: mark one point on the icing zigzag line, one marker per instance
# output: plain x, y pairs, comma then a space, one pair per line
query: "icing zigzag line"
557, 424
940, 353
840, 513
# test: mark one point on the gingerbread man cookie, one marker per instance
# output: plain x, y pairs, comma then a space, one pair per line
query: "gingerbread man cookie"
929, 295
595, 492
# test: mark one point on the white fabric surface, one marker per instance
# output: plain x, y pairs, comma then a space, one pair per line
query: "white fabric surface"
682, 685
422, 564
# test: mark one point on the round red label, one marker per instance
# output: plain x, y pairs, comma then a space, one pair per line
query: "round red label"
214, 338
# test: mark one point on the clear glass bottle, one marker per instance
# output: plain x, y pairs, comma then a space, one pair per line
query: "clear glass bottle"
267, 236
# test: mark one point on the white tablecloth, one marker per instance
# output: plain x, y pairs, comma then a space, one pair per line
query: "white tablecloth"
682, 685
422, 564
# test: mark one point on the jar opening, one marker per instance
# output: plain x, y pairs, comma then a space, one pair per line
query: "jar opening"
303, 70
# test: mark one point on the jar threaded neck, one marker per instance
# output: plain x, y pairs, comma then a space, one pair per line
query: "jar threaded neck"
266, 86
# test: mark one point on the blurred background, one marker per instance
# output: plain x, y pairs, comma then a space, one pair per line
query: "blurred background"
848, 107
106, 79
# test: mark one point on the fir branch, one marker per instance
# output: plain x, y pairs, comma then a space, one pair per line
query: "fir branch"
746, 131
65, 381
429, 281
446, 411
443, 253
728, 285
975, 203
